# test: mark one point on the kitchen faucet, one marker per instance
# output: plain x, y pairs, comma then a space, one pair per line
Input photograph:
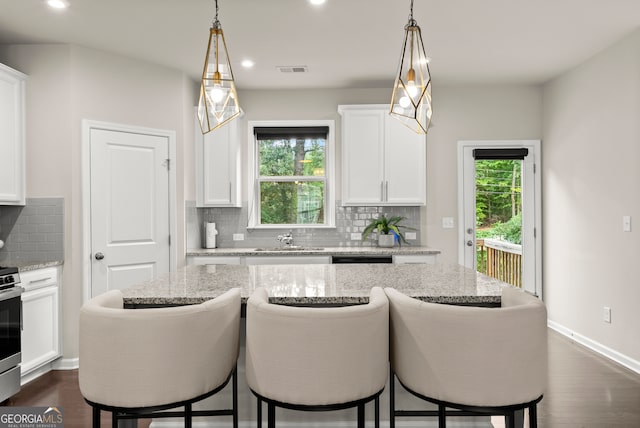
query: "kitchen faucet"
286, 239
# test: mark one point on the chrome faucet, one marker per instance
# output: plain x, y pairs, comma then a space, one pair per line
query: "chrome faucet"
286, 239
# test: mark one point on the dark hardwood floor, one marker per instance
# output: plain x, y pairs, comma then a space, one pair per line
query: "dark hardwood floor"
585, 390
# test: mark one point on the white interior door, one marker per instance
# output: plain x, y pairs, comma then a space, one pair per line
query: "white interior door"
130, 232
531, 210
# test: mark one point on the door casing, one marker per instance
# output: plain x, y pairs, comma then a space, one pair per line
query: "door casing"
534, 161
87, 126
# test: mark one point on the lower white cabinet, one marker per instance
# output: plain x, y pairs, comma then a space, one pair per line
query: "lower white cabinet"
40, 318
287, 260
213, 260
415, 259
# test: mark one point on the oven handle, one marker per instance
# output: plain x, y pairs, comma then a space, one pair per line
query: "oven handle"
21, 315
11, 293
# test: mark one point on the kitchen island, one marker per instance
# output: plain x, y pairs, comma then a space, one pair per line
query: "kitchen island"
315, 285
323, 285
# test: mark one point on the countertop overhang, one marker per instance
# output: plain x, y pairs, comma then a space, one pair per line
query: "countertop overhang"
321, 284
329, 251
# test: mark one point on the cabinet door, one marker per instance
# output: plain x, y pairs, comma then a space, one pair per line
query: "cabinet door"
405, 165
12, 172
213, 260
217, 167
40, 332
362, 156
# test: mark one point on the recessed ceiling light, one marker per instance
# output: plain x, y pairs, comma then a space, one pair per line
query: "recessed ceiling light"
247, 63
58, 4
317, 1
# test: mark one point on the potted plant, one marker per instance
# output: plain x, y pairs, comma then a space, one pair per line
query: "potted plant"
388, 228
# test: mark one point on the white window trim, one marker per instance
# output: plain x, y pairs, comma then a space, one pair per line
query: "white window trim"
253, 174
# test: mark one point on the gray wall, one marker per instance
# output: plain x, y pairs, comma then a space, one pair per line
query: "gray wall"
591, 179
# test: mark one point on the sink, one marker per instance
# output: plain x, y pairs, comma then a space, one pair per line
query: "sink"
291, 248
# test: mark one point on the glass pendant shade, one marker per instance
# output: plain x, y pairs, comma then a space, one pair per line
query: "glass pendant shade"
411, 99
218, 103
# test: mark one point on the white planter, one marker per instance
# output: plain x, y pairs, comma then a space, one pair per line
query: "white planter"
386, 240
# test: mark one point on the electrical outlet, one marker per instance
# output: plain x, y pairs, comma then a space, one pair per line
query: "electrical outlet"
410, 236
238, 236
356, 236
626, 223
606, 314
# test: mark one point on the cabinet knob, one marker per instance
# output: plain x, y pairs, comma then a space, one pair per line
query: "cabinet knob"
99, 256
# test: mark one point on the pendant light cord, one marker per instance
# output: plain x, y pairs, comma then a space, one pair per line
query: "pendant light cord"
412, 22
216, 23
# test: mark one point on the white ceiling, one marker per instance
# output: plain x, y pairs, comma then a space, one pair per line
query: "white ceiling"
344, 43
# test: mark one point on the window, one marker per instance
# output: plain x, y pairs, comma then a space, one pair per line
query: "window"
293, 181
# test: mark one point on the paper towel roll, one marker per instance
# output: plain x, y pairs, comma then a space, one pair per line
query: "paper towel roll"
210, 235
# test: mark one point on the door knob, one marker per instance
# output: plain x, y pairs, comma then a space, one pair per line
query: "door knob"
99, 256
469, 244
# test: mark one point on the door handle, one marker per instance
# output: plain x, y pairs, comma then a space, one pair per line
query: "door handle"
99, 256
469, 243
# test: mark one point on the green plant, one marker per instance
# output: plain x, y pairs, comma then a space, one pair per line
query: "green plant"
384, 225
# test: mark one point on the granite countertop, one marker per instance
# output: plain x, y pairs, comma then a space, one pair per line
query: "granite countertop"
310, 250
24, 266
321, 284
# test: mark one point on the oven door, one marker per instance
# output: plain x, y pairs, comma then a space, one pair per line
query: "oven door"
10, 327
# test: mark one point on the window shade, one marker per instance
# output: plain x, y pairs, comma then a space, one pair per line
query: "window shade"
500, 154
286, 132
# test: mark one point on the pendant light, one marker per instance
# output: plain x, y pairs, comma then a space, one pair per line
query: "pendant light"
411, 99
218, 103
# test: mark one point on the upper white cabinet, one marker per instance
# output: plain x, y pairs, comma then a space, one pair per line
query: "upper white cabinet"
218, 166
12, 136
383, 161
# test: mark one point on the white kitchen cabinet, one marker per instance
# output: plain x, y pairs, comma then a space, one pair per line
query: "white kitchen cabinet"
415, 259
383, 161
213, 260
218, 169
40, 320
287, 260
12, 136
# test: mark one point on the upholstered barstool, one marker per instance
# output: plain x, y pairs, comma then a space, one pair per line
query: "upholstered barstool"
477, 360
137, 362
317, 359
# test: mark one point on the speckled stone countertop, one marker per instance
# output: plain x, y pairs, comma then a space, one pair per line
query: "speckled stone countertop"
309, 250
319, 284
27, 266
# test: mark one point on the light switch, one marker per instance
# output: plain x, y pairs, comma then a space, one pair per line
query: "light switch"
238, 236
447, 222
626, 223
356, 236
410, 236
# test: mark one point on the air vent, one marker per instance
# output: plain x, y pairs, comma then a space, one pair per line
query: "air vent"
292, 68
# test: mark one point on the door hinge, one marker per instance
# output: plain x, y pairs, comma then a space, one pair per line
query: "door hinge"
535, 234
534, 168
169, 239
168, 163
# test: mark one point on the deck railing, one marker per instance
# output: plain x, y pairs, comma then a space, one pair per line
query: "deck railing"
501, 260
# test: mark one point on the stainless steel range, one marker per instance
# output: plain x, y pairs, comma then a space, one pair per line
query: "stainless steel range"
10, 329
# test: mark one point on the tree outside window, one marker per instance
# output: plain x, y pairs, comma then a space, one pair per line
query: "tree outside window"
292, 175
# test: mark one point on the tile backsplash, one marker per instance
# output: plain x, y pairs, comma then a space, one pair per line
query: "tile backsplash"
34, 232
349, 220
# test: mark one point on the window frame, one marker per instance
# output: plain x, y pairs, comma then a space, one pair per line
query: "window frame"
254, 174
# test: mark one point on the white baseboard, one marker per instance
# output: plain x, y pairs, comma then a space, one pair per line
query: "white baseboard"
601, 349
34, 374
66, 364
